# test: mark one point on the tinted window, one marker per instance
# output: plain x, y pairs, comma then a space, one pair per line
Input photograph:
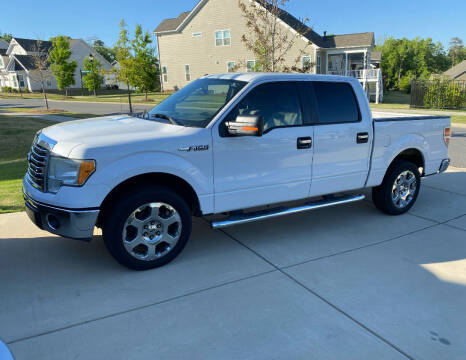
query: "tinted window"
278, 103
336, 103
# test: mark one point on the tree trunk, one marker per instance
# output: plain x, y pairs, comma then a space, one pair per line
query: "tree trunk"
45, 95
129, 100
66, 92
146, 95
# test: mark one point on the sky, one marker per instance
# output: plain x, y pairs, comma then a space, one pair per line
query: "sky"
90, 19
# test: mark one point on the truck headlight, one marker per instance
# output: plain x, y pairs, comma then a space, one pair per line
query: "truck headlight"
68, 172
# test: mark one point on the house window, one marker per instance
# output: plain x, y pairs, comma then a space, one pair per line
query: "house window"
49, 83
198, 34
223, 38
250, 65
318, 64
165, 74
1, 61
306, 60
231, 66
187, 70
21, 80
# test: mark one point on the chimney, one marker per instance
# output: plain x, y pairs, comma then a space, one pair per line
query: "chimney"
325, 34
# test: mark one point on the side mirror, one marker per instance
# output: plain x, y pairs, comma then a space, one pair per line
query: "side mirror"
246, 125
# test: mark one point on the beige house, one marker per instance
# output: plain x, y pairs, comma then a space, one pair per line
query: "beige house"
207, 40
457, 72
18, 69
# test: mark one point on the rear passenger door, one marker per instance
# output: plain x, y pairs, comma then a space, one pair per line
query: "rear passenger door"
341, 139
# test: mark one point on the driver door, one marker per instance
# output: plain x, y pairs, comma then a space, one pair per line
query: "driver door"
275, 167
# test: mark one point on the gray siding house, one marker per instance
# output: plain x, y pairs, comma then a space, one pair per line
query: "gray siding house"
207, 40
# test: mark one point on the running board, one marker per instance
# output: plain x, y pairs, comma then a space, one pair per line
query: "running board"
280, 211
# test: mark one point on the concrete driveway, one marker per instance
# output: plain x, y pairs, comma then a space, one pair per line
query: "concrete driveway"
340, 283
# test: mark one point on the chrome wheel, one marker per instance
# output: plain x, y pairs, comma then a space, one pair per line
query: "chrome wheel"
404, 189
152, 231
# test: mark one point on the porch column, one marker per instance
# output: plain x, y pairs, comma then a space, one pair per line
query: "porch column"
346, 64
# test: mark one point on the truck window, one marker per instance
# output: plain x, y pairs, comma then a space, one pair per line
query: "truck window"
336, 103
278, 103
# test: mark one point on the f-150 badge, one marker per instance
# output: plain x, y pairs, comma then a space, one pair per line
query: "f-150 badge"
195, 148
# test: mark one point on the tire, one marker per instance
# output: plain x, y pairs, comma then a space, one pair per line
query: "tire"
399, 189
147, 228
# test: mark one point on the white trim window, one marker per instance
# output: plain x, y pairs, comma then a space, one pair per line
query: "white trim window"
164, 74
21, 80
306, 63
250, 65
223, 38
198, 34
231, 66
187, 71
318, 64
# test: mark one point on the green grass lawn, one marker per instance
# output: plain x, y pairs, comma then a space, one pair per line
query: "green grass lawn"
16, 134
40, 111
106, 96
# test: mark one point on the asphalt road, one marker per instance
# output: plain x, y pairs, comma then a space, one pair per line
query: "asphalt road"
457, 147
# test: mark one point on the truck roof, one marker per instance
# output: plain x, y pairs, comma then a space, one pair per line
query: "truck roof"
257, 76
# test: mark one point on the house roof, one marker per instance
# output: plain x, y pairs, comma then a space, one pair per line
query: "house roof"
172, 24
24, 62
31, 45
456, 71
333, 41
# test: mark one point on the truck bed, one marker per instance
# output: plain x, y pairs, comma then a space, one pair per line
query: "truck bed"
398, 131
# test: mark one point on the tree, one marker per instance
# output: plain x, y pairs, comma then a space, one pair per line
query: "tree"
405, 59
92, 81
61, 67
41, 72
268, 39
106, 52
457, 51
6, 36
146, 74
126, 62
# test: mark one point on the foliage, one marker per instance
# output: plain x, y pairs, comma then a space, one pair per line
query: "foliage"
417, 58
137, 63
444, 94
107, 53
457, 51
61, 67
405, 83
6, 36
92, 81
267, 38
146, 70
8, 89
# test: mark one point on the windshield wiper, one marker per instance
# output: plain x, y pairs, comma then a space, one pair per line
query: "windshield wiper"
165, 117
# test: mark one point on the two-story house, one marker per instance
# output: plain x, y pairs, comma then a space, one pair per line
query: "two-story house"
18, 67
207, 40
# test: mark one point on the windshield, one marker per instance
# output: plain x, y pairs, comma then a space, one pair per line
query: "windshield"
196, 104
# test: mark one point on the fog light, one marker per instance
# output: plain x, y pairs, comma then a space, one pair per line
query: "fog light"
53, 222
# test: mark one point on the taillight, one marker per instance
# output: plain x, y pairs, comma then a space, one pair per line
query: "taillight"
447, 135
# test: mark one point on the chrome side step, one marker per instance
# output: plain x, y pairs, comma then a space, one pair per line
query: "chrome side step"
280, 211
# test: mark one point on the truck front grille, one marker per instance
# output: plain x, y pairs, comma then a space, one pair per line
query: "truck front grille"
38, 158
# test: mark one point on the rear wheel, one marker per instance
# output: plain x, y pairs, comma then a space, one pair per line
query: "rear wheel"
399, 189
147, 228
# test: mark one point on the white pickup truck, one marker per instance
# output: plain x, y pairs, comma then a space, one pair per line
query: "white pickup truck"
231, 145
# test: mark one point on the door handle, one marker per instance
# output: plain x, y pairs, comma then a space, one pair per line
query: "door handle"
304, 142
363, 138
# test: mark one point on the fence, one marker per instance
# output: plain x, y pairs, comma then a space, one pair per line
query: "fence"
438, 94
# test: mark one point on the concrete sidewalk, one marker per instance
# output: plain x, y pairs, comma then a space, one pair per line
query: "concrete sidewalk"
340, 283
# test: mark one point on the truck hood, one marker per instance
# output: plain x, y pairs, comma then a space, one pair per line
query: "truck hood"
111, 130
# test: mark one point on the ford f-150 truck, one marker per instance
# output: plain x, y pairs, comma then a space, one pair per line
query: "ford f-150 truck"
241, 146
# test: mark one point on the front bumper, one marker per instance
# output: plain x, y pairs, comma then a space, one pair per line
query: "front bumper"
74, 224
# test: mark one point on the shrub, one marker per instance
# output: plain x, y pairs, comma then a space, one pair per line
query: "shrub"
405, 84
445, 94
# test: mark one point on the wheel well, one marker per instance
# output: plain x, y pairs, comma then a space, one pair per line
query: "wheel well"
412, 155
171, 181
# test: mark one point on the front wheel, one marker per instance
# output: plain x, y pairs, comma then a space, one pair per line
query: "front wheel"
147, 228
399, 189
